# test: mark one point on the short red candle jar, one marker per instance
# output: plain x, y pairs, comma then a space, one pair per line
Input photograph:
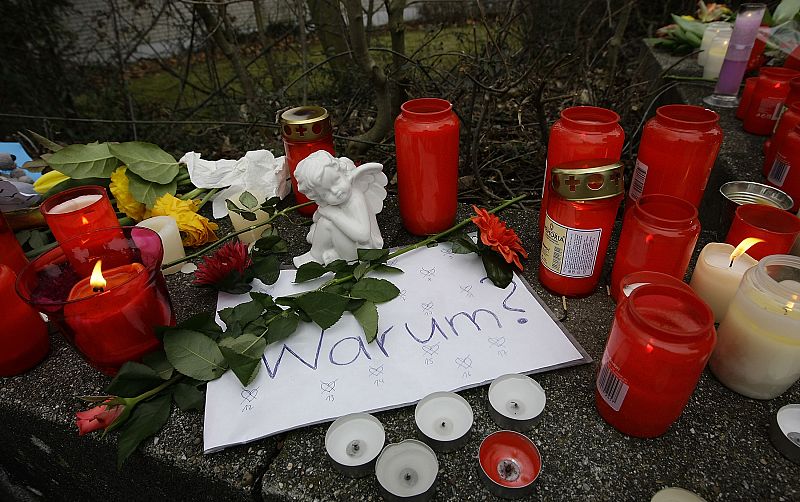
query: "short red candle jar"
582, 133
747, 95
778, 229
770, 91
661, 338
11, 253
24, 335
305, 129
658, 234
678, 149
426, 140
79, 210
112, 319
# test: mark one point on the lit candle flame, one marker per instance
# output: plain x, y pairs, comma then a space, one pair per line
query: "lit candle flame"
743, 247
97, 281
84, 220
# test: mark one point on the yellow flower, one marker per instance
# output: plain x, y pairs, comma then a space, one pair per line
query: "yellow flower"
125, 201
195, 230
48, 180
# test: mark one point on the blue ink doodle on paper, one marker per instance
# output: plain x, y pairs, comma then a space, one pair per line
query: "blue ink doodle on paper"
521, 320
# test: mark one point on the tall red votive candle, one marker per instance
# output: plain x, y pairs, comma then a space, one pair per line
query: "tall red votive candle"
11, 253
768, 96
778, 229
108, 323
660, 341
426, 139
79, 210
23, 338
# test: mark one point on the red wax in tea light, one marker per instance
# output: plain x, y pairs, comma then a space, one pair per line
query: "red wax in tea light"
776, 227
79, 210
23, 337
510, 461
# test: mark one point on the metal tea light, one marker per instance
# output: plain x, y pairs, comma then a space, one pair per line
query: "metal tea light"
509, 463
516, 401
353, 443
407, 471
444, 420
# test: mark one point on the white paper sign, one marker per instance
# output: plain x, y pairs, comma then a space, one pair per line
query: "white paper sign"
449, 329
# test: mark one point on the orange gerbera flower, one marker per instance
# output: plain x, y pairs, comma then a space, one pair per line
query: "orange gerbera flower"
495, 234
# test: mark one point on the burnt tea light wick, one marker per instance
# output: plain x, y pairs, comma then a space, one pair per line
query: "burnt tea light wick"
444, 420
353, 442
516, 401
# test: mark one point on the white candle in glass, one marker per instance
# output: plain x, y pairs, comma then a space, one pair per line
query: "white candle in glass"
716, 55
712, 30
407, 469
717, 275
758, 342
354, 441
167, 229
71, 205
240, 223
444, 418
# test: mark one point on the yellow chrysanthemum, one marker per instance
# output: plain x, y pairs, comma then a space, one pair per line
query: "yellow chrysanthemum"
48, 180
125, 201
195, 230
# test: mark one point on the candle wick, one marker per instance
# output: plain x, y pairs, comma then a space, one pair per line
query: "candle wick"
731, 265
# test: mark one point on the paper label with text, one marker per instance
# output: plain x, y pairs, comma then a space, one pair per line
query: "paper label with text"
567, 251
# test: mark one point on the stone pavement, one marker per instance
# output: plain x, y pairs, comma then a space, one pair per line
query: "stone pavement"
718, 448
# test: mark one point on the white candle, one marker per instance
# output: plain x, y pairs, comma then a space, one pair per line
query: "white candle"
167, 229
71, 205
516, 401
672, 494
445, 418
715, 280
240, 223
353, 442
716, 55
407, 469
712, 30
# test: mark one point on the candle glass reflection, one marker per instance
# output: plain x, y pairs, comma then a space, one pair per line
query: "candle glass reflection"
79, 210
109, 325
407, 471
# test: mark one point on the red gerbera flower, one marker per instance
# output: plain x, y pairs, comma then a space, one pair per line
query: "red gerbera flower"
231, 257
495, 234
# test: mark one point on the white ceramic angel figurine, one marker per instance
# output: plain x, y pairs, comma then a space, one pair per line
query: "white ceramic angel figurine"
348, 197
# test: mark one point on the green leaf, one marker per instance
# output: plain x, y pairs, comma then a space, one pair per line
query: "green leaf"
360, 270
84, 161
194, 354
693, 26
145, 420
497, 269
267, 243
234, 283
388, 269
231, 206
264, 299
243, 355
355, 304
242, 313
133, 379
158, 362
374, 290
147, 160
463, 244
37, 239
187, 397
73, 183
367, 317
45, 142
148, 192
267, 269
204, 322
785, 11
337, 266
323, 308
282, 327
372, 255
248, 200
309, 271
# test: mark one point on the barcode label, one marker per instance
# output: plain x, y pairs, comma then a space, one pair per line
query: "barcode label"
639, 177
611, 387
780, 168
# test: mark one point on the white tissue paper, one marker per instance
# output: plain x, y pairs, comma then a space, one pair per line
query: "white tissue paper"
258, 172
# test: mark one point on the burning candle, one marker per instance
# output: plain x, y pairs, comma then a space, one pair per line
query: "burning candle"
407, 471
24, 334
509, 464
718, 272
516, 401
353, 442
77, 211
239, 223
716, 55
444, 419
167, 229
758, 351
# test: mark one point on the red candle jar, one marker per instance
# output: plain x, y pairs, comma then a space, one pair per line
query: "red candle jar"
11, 253
108, 323
305, 129
581, 210
509, 464
793, 59
582, 133
747, 95
633, 280
426, 139
784, 172
24, 334
770, 91
79, 210
786, 124
794, 91
678, 149
658, 234
660, 341
778, 228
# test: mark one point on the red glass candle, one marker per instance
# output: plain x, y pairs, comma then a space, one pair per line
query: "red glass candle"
24, 334
793, 59
660, 341
305, 129
11, 253
510, 462
770, 91
79, 210
426, 139
633, 280
784, 172
747, 95
786, 124
582, 207
778, 229
112, 323
756, 59
582, 133
794, 91
658, 234
678, 149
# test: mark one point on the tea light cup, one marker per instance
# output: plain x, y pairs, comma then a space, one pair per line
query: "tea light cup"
516, 401
444, 420
353, 442
509, 464
407, 471
784, 432
673, 494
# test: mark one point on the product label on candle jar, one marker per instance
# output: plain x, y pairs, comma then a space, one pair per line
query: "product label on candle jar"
777, 175
611, 386
570, 252
639, 177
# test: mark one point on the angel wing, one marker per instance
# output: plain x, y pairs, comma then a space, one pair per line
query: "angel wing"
369, 179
